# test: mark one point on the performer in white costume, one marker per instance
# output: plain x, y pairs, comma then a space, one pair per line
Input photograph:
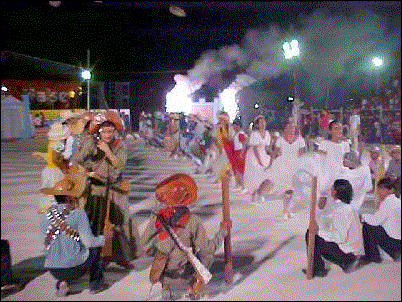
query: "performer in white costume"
290, 147
258, 161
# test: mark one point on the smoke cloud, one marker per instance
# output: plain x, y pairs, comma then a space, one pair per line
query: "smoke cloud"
336, 49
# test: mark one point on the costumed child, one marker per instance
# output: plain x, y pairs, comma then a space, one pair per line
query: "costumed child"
56, 166
171, 266
71, 248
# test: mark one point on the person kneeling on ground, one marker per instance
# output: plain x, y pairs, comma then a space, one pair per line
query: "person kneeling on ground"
171, 266
383, 227
71, 248
341, 242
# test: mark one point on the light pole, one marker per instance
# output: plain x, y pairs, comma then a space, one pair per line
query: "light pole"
291, 50
86, 75
377, 62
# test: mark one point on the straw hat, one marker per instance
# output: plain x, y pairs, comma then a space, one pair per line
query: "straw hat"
67, 114
174, 116
78, 125
73, 184
223, 116
179, 189
110, 116
58, 131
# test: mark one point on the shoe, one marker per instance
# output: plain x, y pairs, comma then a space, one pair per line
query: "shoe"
397, 257
319, 274
98, 289
62, 288
353, 266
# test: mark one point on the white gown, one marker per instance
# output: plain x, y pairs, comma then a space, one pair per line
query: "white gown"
284, 166
254, 173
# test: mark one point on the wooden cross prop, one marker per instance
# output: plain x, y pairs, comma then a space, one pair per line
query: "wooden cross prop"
312, 229
226, 219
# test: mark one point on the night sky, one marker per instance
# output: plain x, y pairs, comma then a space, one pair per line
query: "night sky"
143, 38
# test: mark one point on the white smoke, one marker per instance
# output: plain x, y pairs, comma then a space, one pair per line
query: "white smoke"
333, 46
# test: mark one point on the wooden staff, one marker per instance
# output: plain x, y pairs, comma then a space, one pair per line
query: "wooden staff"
379, 173
107, 249
226, 220
312, 230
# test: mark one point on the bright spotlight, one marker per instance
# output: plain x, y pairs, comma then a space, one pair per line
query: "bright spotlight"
256, 106
86, 74
4, 88
377, 61
291, 49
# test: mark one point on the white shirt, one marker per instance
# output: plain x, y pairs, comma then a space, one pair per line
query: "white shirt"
360, 179
344, 229
388, 216
354, 121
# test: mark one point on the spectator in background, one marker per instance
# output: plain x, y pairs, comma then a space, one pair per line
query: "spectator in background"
394, 168
354, 128
376, 162
324, 123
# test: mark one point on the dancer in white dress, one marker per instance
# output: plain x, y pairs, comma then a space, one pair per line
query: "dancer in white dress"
332, 153
290, 147
258, 161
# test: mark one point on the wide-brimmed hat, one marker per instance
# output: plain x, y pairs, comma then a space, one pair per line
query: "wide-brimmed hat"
175, 116
79, 123
110, 116
258, 117
58, 131
73, 184
179, 189
67, 114
223, 116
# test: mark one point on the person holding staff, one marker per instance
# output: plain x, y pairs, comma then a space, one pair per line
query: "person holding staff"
103, 157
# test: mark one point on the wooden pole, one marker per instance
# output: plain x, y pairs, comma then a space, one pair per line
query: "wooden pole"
379, 173
226, 219
312, 229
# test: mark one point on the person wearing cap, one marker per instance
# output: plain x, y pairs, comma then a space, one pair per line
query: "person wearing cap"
103, 157
258, 161
71, 248
359, 177
76, 122
394, 168
55, 164
171, 266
